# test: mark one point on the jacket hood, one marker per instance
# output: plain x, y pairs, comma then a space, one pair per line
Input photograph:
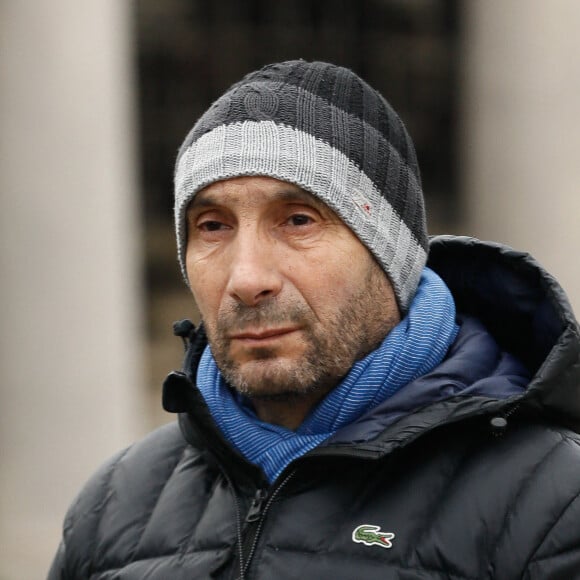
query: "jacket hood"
526, 311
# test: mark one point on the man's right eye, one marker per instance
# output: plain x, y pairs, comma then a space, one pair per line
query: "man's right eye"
210, 226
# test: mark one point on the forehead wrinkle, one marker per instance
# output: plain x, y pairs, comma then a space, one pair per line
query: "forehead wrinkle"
299, 195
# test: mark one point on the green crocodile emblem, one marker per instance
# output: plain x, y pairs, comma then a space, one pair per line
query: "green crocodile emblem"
370, 535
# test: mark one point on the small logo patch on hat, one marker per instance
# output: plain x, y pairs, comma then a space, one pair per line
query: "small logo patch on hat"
362, 203
370, 535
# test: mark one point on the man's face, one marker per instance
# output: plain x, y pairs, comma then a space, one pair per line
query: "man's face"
289, 296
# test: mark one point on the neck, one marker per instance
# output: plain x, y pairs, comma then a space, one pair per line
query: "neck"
288, 410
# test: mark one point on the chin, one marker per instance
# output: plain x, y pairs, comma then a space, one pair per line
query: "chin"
271, 380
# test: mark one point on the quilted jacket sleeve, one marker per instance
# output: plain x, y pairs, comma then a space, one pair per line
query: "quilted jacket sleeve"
81, 524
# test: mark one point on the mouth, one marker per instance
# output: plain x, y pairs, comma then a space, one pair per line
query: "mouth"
262, 335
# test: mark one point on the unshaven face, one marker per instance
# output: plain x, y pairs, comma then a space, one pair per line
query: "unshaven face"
289, 296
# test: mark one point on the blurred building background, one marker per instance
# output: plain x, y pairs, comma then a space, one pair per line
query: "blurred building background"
95, 99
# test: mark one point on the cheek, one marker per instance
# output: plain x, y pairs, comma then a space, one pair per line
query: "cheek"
330, 284
207, 289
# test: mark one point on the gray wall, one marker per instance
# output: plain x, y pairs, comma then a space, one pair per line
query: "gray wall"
521, 129
69, 262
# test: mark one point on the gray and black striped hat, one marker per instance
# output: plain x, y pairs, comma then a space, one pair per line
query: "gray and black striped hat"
324, 129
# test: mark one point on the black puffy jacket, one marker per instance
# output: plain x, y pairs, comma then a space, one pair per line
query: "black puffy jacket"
464, 486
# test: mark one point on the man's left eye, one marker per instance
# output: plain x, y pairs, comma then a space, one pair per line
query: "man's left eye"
299, 220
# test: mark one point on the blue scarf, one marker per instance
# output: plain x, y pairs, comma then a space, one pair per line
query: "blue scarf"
412, 348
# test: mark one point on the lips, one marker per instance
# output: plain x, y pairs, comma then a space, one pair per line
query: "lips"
262, 334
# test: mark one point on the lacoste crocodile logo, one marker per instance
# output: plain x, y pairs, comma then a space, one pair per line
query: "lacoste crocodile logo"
370, 535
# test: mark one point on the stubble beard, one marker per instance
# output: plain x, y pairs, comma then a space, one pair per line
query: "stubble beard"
330, 350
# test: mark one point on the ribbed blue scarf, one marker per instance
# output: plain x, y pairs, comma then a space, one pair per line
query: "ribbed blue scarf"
412, 348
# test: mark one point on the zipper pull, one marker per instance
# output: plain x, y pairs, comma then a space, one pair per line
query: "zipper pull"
256, 506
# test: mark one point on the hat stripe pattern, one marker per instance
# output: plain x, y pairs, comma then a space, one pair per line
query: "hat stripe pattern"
343, 130
322, 128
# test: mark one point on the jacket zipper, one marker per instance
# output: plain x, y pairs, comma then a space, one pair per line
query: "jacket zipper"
255, 521
246, 537
256, 506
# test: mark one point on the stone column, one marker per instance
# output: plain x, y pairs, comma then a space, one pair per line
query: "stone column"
70, 297
521, 129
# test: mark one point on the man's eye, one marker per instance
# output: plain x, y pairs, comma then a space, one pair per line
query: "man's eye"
299, 219
210, 226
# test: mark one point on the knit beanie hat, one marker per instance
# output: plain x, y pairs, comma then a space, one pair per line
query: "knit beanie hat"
321, 127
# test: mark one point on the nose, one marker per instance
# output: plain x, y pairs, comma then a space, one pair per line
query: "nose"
254, 273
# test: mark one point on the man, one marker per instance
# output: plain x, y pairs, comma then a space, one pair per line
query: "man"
352, 413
